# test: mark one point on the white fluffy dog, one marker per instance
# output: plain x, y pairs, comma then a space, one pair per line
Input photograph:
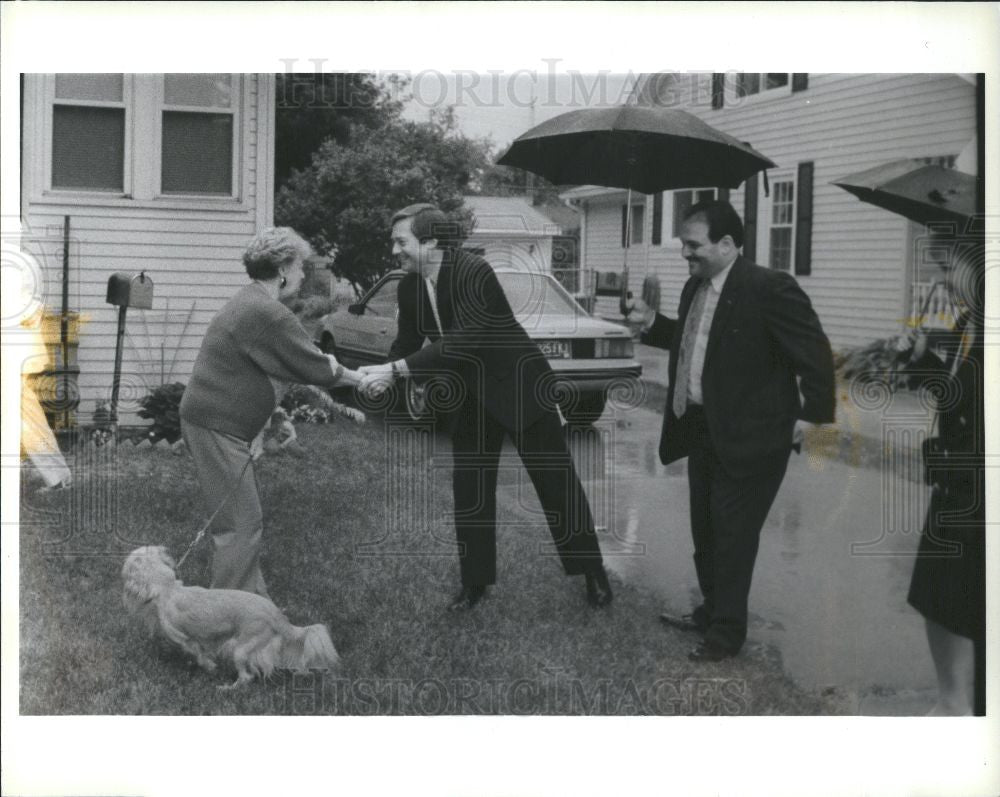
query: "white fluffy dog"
242, 628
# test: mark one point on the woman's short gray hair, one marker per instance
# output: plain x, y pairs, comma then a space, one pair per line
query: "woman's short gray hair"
271, 249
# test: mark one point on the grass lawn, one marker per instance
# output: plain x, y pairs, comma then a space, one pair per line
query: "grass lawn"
343, 547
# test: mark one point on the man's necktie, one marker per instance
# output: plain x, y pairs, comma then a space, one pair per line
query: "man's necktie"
432, 298
691, 324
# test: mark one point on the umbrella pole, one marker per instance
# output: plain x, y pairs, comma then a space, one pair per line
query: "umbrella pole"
623, 307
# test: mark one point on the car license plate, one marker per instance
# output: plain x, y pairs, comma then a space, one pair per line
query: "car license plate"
555, 349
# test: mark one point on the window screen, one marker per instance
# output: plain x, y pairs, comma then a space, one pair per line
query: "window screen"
197, 153
88, 147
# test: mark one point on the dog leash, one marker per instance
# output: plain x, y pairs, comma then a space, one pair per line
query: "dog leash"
208, 522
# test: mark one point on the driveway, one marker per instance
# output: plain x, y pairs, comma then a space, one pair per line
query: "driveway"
829, 592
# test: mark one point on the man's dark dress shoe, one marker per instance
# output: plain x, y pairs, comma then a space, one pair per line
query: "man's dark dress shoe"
710, 651
467, 598
684, 622
598, 588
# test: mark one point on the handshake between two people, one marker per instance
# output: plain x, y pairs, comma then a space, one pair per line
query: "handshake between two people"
371, 380
374, 380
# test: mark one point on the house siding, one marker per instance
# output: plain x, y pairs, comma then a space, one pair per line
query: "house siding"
190, 248
843, 124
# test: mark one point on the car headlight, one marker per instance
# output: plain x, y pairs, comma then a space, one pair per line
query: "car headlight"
615, 348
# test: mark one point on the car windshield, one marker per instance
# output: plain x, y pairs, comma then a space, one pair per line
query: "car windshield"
537, 295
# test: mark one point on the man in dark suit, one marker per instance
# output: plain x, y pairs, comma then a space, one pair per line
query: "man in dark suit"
745, 345
454, 299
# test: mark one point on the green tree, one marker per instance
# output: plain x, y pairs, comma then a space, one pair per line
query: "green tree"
347, 196
313, 107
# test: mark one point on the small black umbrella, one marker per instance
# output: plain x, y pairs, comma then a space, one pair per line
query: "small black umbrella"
640, 148
919, 192
927, 194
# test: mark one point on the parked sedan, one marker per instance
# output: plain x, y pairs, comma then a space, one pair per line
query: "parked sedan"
588, 355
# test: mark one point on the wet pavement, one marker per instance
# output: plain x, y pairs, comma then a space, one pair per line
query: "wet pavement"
836, 553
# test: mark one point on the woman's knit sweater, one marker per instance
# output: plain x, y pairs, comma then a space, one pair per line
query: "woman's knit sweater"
252, 342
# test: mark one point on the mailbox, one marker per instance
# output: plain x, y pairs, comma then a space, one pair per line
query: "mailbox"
130, 290
125, 291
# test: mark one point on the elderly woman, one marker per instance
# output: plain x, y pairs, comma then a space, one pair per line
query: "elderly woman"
253, 348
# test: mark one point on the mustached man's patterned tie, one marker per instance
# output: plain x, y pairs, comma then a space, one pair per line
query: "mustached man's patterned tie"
691, 324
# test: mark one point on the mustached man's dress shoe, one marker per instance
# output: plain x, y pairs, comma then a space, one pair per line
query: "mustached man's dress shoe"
709, 651
467, 598
683, 622
598, 588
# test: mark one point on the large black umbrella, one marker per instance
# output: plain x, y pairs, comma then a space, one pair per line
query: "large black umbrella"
917, 191
646, 149
641, 148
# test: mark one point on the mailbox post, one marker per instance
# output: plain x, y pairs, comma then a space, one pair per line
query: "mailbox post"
126, 291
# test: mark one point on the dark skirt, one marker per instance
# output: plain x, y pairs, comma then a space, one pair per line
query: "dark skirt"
949, 575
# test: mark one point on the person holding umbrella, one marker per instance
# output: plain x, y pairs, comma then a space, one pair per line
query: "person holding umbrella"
739, 430
948, 586
745, 344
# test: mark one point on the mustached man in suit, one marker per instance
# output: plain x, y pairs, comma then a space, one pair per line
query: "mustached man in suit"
750, 369
454, 299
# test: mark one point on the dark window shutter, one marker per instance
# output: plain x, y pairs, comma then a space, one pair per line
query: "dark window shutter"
682, 201
800, 81
750, 218
804, 220
723, 194
657, 219
624, 223
718, 89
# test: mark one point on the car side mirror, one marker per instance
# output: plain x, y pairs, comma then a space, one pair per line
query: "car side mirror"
356, 309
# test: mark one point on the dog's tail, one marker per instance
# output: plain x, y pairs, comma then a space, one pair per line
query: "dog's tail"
317, 651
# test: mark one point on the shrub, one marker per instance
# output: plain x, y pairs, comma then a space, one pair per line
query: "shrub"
102, 414
162, 406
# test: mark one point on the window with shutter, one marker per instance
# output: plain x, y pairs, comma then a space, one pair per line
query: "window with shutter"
782, 222
744, 87
776, 217
750, 83
685, 200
